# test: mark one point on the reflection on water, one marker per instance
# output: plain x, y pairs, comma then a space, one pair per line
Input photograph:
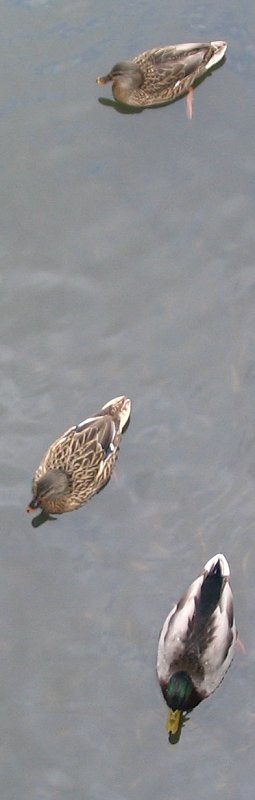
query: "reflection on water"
174, 738
120, 107
127, 260
41, 518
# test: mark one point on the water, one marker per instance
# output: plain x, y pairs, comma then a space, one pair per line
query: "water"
127, 267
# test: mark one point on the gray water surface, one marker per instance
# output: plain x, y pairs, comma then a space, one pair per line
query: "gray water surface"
127, 251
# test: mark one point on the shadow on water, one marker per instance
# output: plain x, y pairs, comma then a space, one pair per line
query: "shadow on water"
41, 518
120, 107
123, 109
174, 738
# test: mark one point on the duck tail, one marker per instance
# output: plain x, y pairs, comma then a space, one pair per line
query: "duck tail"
119, 409
219, 50
216, 571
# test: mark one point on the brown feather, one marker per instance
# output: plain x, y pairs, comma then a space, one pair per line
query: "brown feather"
86, 453
164, 73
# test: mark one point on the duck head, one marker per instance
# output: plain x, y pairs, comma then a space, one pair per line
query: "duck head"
49, 487
126, 77
178, 696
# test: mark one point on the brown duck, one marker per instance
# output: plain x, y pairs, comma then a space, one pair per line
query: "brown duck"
80, 462
163, 74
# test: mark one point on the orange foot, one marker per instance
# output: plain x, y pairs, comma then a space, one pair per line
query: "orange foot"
240, 644
189, 104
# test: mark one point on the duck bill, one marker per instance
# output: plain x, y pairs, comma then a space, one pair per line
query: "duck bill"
33, 505
173, 722
104, 79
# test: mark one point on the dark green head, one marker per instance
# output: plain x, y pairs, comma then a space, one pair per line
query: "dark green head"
179, 691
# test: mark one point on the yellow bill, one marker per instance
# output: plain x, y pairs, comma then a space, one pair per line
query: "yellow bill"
173, 721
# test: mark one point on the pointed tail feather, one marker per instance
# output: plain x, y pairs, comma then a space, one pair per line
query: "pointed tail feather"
120, 407
218, 54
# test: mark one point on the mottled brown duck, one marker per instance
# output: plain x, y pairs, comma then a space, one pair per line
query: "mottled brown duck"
80, 462
163, 74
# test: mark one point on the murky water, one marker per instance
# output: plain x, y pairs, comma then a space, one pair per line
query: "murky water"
127, 267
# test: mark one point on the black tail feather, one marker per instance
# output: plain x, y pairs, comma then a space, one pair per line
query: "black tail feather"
211, 591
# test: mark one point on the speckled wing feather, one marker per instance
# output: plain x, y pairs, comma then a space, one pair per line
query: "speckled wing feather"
168, 66
87, 443
165, 67
101, 429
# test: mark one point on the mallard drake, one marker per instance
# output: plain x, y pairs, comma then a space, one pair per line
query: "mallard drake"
161, 75
197, 641
80, 462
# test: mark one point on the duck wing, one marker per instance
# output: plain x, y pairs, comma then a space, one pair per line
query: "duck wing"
217, 643
84, 446
96, 434
176, 631
171, 64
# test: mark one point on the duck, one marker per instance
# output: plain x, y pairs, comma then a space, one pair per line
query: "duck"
163, 74
197, 641
80, 462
